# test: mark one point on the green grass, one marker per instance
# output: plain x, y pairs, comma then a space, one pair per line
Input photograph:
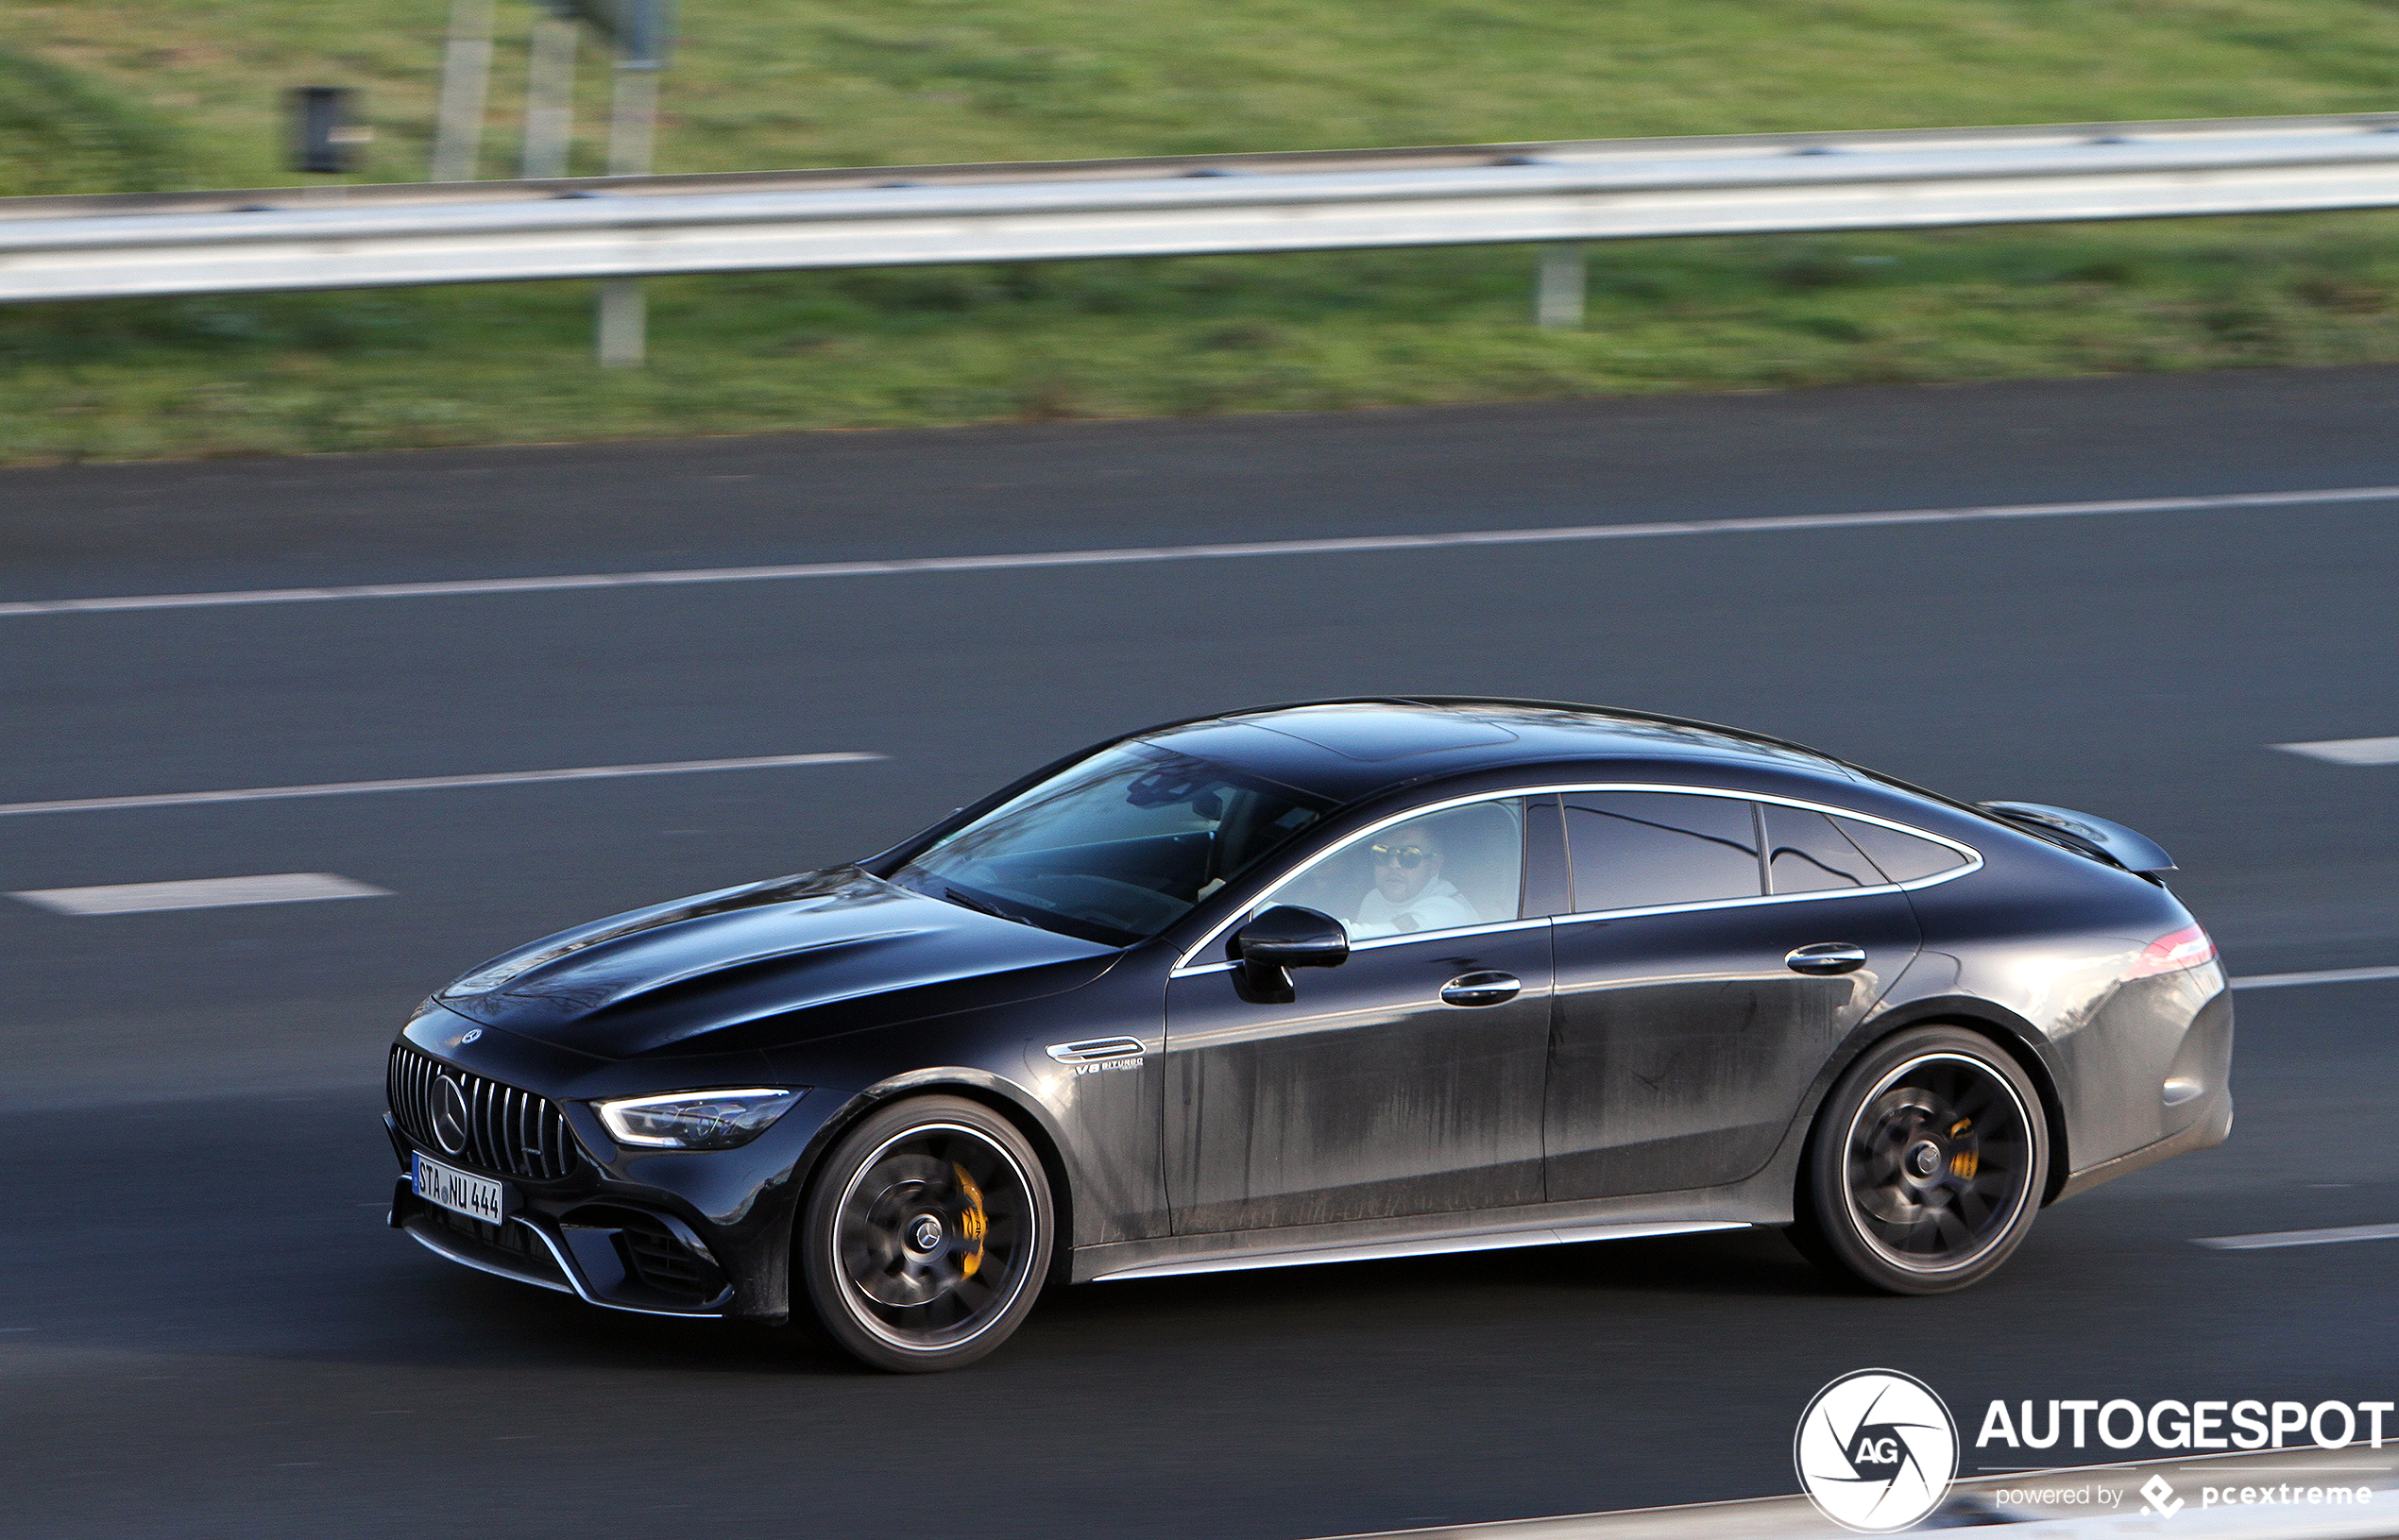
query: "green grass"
789, 82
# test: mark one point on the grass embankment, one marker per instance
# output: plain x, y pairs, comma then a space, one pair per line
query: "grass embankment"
785, 82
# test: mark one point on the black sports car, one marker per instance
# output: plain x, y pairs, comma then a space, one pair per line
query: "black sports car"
1312, 983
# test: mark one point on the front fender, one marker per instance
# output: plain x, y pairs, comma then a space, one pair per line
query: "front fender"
1002, 1094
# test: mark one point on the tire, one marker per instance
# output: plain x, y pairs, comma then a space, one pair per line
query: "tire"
925, 1235
1926, 1166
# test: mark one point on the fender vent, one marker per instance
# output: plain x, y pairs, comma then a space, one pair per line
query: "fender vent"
1094, 1050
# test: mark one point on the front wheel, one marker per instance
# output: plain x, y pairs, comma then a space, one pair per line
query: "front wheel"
1926, 1165
925, 1235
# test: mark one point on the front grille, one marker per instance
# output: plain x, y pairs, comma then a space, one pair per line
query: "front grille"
511, 1131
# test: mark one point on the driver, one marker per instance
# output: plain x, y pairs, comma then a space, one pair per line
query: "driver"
1409, 892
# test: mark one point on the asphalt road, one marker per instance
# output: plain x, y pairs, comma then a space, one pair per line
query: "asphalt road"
206, 1331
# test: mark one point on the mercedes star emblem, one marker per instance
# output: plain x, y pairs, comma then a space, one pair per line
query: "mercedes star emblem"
449, 1116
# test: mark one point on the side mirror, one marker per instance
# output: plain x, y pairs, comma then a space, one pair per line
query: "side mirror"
1284, 937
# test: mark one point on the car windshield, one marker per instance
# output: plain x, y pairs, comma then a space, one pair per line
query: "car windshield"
1116, 849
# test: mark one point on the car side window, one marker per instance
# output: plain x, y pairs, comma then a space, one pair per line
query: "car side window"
1805, 854
1633, 850
1901, 857
1464, 866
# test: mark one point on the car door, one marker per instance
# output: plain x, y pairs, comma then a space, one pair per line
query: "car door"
1383, 1087
1686, 1029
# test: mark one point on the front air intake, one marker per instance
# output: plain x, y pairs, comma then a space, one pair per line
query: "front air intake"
495, 1127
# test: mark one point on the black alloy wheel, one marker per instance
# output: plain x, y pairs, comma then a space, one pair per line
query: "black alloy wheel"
1926, 1166
927, 1235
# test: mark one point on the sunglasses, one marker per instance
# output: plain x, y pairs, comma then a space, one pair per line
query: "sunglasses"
1408, 857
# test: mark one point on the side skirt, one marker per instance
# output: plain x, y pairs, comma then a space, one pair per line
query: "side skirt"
1369, 1251
1425, 1235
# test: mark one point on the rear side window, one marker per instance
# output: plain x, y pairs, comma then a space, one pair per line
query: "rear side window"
1633, 850
1902, 857
1805, 854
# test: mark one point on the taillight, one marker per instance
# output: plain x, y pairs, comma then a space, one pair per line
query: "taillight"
2173, 953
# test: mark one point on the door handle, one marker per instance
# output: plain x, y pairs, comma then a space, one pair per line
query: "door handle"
1827, 957
1482, 990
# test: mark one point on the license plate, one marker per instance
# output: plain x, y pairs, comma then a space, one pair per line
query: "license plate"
477, 1197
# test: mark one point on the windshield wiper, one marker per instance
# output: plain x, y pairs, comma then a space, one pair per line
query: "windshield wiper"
970, 902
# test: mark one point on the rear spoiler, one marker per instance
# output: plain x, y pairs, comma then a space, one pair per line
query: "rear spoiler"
2098, 836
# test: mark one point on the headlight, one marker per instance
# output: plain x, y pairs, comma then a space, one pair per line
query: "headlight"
694, 1120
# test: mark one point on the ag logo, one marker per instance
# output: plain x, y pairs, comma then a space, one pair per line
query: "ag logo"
1876, 1450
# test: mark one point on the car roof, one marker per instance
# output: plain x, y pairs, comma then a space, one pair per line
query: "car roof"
1345, 750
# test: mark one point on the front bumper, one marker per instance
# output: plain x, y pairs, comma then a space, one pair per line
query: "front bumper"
649, 1263
662, 1246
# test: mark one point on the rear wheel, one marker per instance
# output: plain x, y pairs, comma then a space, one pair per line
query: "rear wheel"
1926, 1166
925, 1235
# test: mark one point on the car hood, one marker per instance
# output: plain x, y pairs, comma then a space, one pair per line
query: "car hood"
766, 966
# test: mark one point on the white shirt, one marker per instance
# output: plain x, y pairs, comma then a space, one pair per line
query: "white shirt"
1438, 906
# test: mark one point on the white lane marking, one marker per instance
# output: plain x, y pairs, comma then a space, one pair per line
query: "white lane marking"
2271, 1239
206, 893
1185, 553
427, 783
2347, 750
2323, 975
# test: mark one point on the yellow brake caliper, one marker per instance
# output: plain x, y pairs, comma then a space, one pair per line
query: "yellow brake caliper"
974, 1224
1964, 1163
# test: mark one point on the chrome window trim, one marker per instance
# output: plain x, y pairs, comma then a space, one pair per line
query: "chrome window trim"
1186, 968
1724, 903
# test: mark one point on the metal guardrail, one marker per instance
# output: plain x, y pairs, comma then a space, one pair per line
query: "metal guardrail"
1593, 190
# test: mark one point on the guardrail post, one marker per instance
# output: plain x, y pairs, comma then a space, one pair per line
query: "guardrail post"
550, 94
466, 74
624, 323
633, 115
1558, 294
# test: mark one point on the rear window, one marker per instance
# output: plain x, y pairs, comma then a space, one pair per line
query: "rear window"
1901, 857
1805, 854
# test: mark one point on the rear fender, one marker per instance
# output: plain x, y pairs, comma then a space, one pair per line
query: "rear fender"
2004, 1026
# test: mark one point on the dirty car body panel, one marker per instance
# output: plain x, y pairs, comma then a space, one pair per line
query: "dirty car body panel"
1653, 948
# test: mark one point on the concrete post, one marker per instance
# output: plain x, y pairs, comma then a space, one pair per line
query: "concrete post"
550, 94
633, 119
466, 74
